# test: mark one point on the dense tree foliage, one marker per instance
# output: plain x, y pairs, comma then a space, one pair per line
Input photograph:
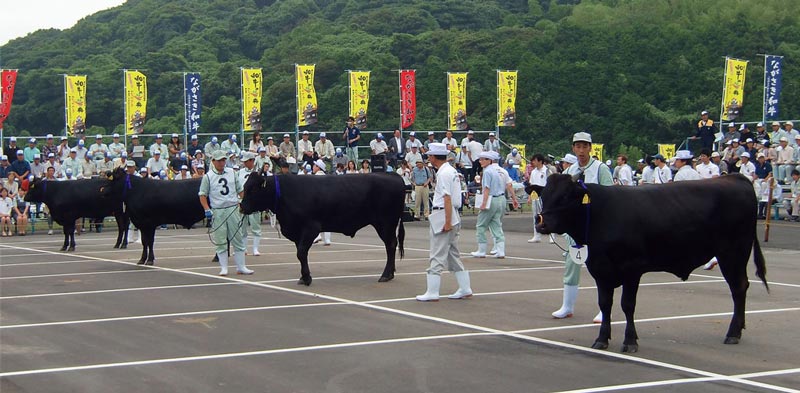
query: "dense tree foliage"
634, 72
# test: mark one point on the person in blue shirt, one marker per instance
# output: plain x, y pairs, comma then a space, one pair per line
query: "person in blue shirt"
20, 166
352, 135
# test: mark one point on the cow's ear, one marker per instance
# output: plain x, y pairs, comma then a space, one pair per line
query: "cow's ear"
110, 177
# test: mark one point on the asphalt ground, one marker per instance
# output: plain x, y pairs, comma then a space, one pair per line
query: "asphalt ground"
94, 321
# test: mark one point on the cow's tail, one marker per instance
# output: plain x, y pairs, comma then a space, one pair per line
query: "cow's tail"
401, 235
761, 267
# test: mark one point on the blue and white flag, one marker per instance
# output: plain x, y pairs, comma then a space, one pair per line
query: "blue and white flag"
191, 99
773, 68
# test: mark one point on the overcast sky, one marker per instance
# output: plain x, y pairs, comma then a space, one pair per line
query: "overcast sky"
18, 18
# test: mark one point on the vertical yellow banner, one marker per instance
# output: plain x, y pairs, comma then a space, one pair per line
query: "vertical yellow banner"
75, 99
306, 95
666, 150
457, 101
597, 150
359, 97
506, 98
135, 101
733, 93
251, 99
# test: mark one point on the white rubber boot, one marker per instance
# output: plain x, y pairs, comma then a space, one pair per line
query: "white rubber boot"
432, 293
568, 306
326, 238
481, 253
464, 289
317, 239
710, 265
238, 257
501, 250
256, 241
223, 263
494, 250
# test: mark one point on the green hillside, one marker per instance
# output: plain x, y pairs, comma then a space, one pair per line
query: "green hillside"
634, 72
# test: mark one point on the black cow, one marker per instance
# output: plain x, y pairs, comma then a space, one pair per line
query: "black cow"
673, 228
308, 205
69, 200
151, 203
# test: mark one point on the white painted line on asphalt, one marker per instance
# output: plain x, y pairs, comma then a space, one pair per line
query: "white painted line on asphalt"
168, 315
134, 289
413, 274
780, 284
73, 274
413, 315
5, 265
310, 263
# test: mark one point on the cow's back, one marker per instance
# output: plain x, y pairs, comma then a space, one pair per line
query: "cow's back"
156, 202
68, 200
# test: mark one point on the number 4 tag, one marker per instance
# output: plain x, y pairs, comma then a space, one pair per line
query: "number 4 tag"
580, 254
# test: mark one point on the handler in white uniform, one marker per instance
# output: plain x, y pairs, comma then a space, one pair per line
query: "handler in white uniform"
444, 227
683, 161
252, 222
319, 170
219, 195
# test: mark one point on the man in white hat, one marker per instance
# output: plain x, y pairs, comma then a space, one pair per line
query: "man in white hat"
791, 133
194, 146
716, 159
156, 164
52, 162
210, 147
30, 150
305, 148
492, 206
219, 195
72, 163
746, 167
136, 151
705, 168
445, 225
589, 171
777, 132
492, 144
231, 145
683, 161
513, 162
324, 148
160, 146
318, 169
431, 139
705, 131
49, 147
731, 134
251, 227
62, 150
37, 166
287, 148
784, 163
116, 148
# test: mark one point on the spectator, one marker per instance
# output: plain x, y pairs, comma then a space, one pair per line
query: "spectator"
364, 167
68, 174
340, 158
136, 151
105, 166
625, 173
379, 149
176, 163
183, 173
761, 133
88, 167
305, 149
230, 145
785, 163
159, 146
746, 167
200, 171
427, 144
53, 163
11, 184
82, 151
20, 212
20, 166
492, 207
11, 149
492, 144
175, 146
749, 146
537, 180
198, 160
121, 161
339, 169
31, 150
286, 148
413, 141
98, 149
513, 162
763, 168
770, 151
661, 173
116, 148
745, 134
422, 178
406, 172
351, 168
262, 162
62, 150
451, 144
716, 159
351, 135
413, 156
72, 163
194, 146
38, 167
777, 133
733, 154
793, 203
324, 149
156, 164
791, 133
764, 202
705, 168
731, 134
683, 161
474, 148
705, 131
6, 206
212, 146
255, 142
397, 148
49, 147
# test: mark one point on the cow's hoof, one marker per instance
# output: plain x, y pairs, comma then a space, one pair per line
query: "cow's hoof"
599, 345
304, 281
71, 248
731, 340
124, 246
630, 348
386, 279
64, 248
149, 263
116, 246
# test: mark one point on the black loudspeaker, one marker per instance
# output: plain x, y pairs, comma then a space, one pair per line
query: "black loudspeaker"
378, 163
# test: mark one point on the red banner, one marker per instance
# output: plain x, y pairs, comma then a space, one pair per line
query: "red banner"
408, 98
9, 80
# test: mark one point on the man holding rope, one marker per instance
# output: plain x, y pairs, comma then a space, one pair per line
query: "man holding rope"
219, 195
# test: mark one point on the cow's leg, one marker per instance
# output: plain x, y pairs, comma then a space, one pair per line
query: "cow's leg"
143, 238
629, 290
605, 298
734, 269
386, 234
68, 229
71, 238
303, 245
151, 237
124, 228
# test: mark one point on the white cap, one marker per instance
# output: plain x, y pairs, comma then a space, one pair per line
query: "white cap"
581, 137
783, 139
157, 152
98, 136
214, 139
159, 136
491, 134
570, 158
63, 138
338, 149
322, 135
246, 156
184, 168
124, 154
304, 132
12, 139
320, 164
735, 140
776, 123
135, 136
788, 123
760, 124
715, 154
262, 149
174, 135
412, 133
183, 154
194, 137
470, 132
430, 133
437, 149
742, 126
380, 136
116, 135
20, 152
32, 140
760, 155
731, 124
746, 154
81, 142
143, 170
35, 156
748, 140
51, 155
130, 164
233, 137
286, 135
683, 155
703, 113
49, 136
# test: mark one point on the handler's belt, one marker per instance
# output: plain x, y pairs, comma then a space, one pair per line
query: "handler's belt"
437, 208
500, 195
223, 207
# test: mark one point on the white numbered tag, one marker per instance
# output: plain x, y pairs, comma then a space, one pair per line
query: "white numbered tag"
580, 254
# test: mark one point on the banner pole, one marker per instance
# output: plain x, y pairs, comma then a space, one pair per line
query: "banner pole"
125, 105
241, 98
297, 107
400, 94
66, 108
447, 112
185, 114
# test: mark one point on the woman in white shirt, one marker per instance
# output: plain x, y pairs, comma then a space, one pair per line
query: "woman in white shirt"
20, 212
255, 142
351, 167
5, 212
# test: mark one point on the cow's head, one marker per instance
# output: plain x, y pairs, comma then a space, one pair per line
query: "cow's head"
36, 191
117, 181
562, 199
259, 193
